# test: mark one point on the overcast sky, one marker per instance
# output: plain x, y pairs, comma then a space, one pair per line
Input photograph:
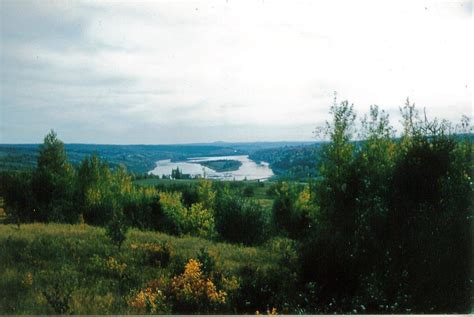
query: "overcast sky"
202, 71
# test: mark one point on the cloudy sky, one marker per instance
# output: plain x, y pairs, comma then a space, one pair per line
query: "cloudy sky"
201, 71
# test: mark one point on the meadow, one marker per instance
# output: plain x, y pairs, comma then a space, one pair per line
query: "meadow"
75, 269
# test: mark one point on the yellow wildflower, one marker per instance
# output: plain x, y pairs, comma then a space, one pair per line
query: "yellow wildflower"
114, 265
149, 300
28, 279
191, 285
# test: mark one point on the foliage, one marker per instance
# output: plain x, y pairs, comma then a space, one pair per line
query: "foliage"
222, 165
154, 253
59, 291
206, 194
297, 163
53, 183
150, 300
392, 211
293, 209
239, 220
208, 263
18, 196
178, 219
117, 228
138, 159
194, 292
385, 228
103, 279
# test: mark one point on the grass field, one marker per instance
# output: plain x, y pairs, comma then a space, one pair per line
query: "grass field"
77, 264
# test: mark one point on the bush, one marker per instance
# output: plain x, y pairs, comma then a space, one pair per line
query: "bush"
150, 300
192, 292
177, 219
208, 262
240, 221
155, 253
249, 191
142, 208
19, 200
117, 229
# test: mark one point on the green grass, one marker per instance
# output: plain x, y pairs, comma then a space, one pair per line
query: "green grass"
72, 255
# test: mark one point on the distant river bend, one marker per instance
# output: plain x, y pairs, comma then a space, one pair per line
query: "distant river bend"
249, 169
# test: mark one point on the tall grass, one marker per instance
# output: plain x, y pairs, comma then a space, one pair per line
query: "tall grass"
39, 261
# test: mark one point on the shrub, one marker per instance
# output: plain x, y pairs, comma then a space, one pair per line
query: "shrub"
19, 200
117, 229
208, 262
192, 292
199, 221
149, 300
241, 221
142, 208
206, 194
178, 219
173, 213
155, 253
249, 191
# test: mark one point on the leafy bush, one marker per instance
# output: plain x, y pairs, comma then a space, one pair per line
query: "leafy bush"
208, 262
19, 200
117, 228
396, 212
192, 291
141, 207
293, 209
151, 301
240, 221
178, 219
249, 191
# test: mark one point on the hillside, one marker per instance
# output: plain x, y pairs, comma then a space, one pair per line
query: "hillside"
80, 261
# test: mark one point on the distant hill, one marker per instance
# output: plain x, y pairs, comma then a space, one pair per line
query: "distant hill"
297, 162
137, 158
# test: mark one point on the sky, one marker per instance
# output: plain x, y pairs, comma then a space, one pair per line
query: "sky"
159, 72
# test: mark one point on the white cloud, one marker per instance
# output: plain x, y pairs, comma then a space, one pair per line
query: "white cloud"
245, 65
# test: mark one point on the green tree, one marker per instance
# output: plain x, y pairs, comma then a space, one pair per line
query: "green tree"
327, 252
293, 209
19, 201
117, 227
430, 220
206, 195
54, 182
176, 173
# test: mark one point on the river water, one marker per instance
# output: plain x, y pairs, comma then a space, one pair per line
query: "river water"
249, 169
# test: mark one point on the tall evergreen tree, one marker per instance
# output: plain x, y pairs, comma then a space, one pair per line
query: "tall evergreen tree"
54, 182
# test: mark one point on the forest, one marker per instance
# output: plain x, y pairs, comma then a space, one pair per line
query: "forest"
222, 165
382, 225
